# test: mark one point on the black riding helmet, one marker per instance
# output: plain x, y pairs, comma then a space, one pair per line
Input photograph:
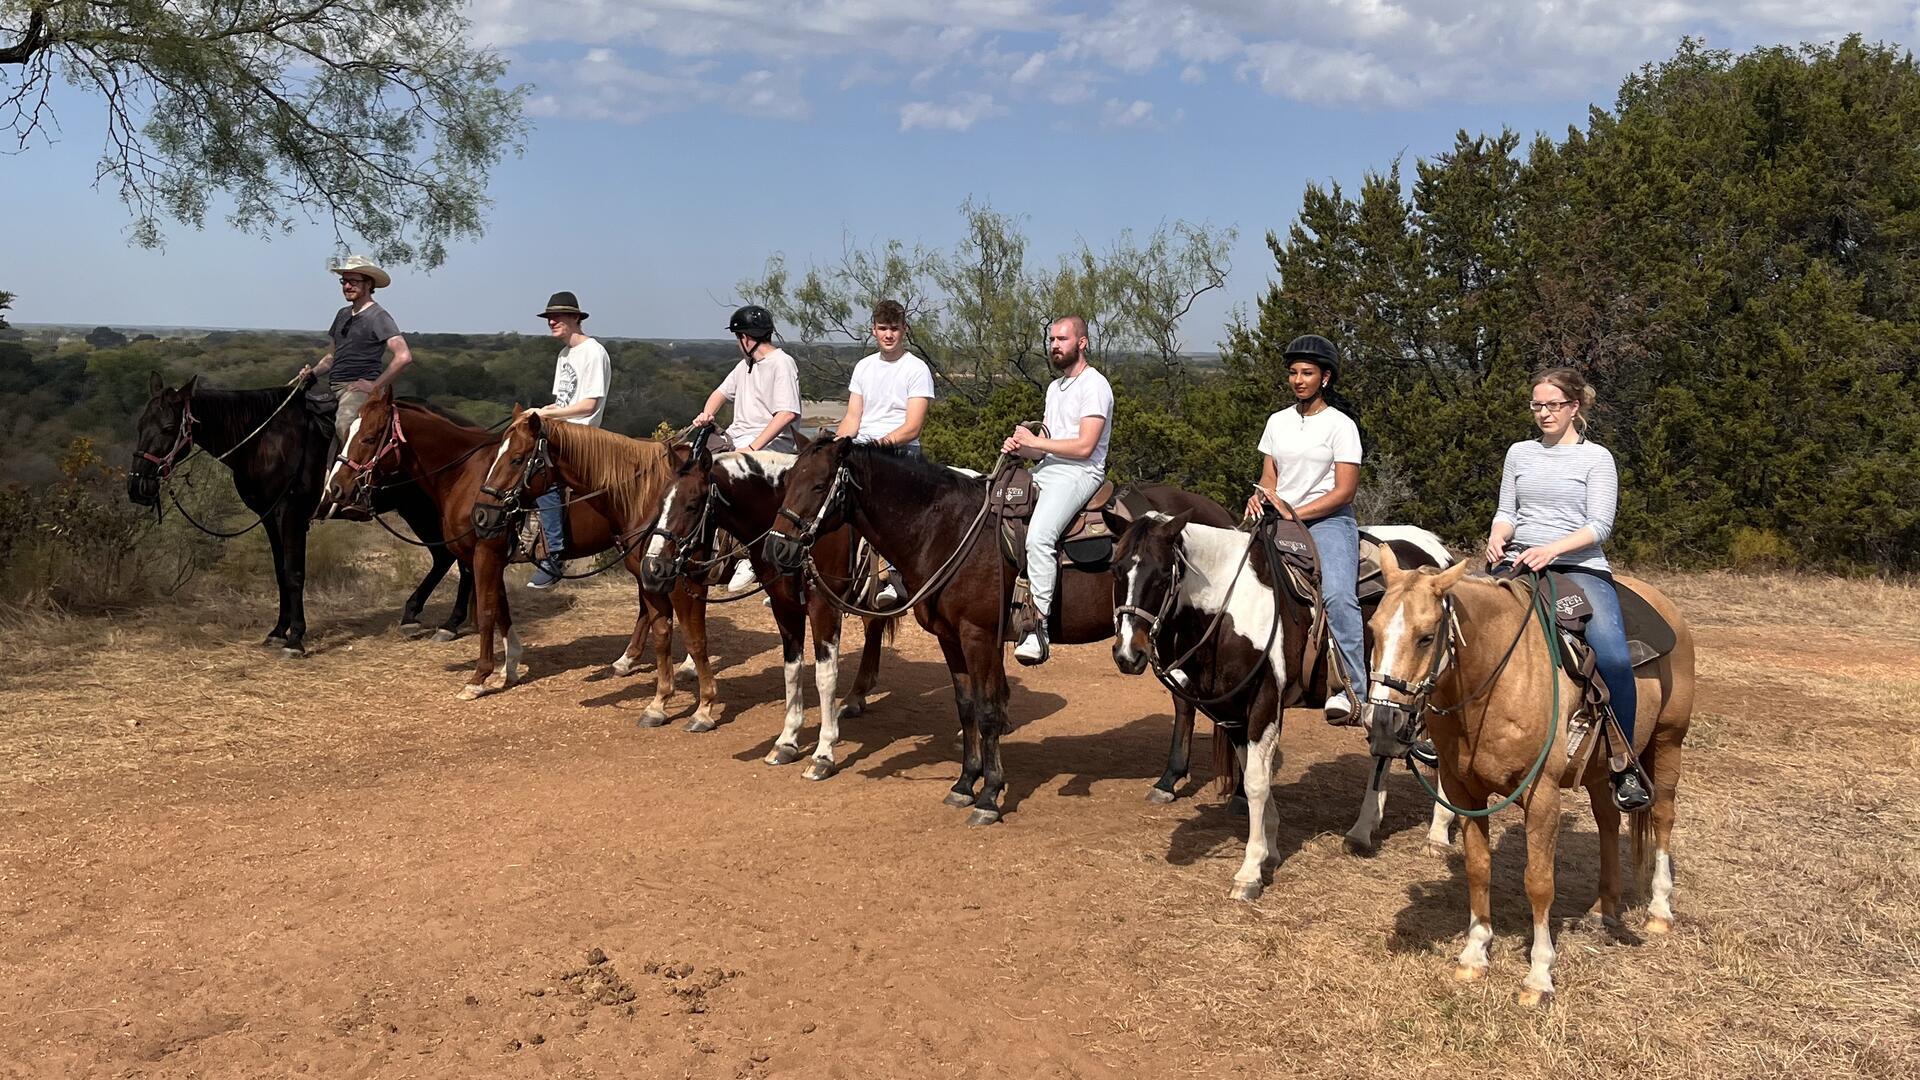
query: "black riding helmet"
1316, 349
754, 321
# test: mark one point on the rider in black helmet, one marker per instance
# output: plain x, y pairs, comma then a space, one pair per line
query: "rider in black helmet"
765, 390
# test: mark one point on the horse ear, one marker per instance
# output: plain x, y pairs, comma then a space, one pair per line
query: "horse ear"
1178, 522
1116, 524
1451, 576
517, 410
1389, 563
187, 388
385, 395
155, 384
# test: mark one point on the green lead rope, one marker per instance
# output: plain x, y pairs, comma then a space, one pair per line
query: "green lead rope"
1544, 603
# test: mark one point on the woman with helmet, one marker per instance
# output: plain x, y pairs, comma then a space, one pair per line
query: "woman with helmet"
765, 390
1312, 461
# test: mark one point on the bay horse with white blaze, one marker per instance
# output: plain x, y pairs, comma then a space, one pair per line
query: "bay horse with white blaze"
277, 452
927, 520
741, 492
614, 486
1464, 651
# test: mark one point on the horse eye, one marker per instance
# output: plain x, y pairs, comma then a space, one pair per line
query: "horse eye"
1425, 640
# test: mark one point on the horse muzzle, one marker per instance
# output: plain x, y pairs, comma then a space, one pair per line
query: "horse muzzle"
489, 520
1391, 728
657, 572
787, 553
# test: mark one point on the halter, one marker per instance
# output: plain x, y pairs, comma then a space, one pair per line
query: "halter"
789, 551
490, 520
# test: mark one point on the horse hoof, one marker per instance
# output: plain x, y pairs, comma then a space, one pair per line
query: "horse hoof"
1469, 973
1358, 845
653, 718
700, 725
821, 770
686, 670
412, 629
958, 799
852, 707
983, 816
1658, 926
471, 691
1160, 795
1535, 999
1249, 891
293, 652
443, 634
274, 639
783, 755
1439, 851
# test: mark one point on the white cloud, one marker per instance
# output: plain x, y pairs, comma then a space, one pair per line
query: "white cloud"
1127, 114
959, 114
961, 61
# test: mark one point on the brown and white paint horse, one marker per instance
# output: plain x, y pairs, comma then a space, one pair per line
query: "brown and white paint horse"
1445, 634
741, 492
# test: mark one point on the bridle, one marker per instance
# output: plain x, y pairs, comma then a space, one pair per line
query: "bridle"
490, 519
664, 568
182, 444
1404, 719
789, 550
391, 441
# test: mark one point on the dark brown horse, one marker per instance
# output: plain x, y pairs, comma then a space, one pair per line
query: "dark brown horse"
614, 486
741, 493
918, 515
277, 453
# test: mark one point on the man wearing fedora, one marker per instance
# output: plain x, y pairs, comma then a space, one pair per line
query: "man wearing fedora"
361, 335
580, 378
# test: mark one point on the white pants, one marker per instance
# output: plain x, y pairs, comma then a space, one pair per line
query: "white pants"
1063, 492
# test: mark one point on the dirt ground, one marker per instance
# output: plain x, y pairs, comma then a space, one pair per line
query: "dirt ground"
216, 862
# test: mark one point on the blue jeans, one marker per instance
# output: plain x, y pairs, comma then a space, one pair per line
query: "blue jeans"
1063, 491
1607, 634
553, 516
1338, 538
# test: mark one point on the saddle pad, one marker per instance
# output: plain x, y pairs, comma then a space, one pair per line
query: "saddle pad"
1645, 627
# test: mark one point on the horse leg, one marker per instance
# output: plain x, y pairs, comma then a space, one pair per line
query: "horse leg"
657, 612
1179, 756
1543, 837
294, 550
1440, 830
462, 593
1257, 761
691, 607
278, 543
510, 674
629, 660
791, 619
1373, 808
1606, 820
989, 662
825, 623
1662, 762
410, 611
488, 574
1472, 963
869, 675
961, 794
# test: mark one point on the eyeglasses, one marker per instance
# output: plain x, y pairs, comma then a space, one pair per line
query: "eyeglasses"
1548, 406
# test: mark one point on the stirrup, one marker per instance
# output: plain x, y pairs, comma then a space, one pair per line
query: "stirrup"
1423, 752
1630, 789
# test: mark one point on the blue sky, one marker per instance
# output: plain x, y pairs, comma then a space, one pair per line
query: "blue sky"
676, 145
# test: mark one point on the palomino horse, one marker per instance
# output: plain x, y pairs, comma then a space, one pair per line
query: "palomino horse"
278, 456
614, 485
1467, 651
741, 492
928, 520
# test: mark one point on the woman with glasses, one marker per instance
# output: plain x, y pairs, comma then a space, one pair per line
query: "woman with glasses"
1558, 494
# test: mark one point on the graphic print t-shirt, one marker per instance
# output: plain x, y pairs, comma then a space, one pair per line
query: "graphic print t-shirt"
583, 371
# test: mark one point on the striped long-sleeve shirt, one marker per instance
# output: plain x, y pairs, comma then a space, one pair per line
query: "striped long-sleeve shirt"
1547, 492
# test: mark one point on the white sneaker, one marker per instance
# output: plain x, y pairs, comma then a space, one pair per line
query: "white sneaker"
1339, 708
888, 596
742, 578
1032, 649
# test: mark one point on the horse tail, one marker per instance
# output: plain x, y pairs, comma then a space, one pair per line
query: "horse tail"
1641, 824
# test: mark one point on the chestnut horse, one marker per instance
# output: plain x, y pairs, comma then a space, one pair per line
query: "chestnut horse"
1470, 655
922, 517
741, 492
613, 485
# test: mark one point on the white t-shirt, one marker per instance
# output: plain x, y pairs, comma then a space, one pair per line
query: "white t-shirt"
1305, 449
1071, 400
583, 371
772, 386
884, 387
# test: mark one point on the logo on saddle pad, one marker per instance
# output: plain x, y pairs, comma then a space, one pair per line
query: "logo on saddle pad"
1295, 546
1570, 605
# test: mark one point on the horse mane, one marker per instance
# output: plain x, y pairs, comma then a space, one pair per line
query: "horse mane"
440, 411
920, 470
632, 472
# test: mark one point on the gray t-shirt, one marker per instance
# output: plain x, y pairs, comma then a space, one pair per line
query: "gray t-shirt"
1547, 492
360, 343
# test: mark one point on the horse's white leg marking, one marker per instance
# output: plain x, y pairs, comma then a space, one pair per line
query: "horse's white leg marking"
1660, 905
1263, 817
796, 703
1473, 958
1440, 829
826, 678
513, 655
1540, 969
1373, 806
626, 663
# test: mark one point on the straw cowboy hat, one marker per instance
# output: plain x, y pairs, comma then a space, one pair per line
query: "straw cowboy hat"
562, 303
354, 264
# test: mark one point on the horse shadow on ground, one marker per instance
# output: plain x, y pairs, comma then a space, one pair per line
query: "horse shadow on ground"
1436, 909
1324, 799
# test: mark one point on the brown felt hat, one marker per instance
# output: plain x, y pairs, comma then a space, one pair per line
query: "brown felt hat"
563, 303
